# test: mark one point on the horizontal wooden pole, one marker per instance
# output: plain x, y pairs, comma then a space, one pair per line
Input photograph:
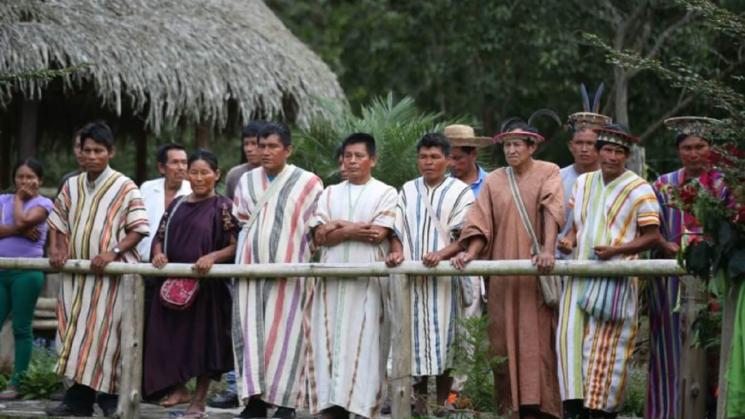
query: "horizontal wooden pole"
651, 267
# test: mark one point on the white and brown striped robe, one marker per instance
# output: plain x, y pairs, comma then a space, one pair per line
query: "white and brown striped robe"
268, 346
94, 216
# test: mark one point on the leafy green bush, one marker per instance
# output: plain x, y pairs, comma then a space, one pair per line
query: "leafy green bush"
636, 392
40, 379
396, 127
475, 361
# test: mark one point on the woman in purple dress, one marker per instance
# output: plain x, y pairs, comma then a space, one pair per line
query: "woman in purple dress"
23, 232
193, 342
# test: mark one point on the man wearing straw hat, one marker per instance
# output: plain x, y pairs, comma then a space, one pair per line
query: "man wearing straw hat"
464, 166
615, 216
500, 226
693, 141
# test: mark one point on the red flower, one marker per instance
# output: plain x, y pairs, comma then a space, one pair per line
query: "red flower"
688, 194
732, 150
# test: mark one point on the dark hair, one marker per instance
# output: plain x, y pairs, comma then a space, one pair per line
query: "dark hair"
279, 129
682, 137
99, 132
33, 164
360, 138
205, 155
339, 152
165, 148
434, 139
251, 130
468, 149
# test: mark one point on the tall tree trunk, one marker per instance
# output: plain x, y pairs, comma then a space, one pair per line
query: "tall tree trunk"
202, 135
27, 128
636, 161
141, 153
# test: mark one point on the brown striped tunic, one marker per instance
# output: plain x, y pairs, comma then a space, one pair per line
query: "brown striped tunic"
94, 216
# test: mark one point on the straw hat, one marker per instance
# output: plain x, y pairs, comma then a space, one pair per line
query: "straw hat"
697, 126
464, 136
519, 134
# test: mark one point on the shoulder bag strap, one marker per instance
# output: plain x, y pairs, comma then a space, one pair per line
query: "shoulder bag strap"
168, 223
267, 195
521, 210
439, 226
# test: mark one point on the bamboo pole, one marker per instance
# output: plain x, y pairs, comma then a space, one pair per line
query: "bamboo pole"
132, 328
401, 341
729, 309
654, 267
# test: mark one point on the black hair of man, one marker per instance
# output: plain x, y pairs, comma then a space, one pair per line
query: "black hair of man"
614, 127
360, 138
99, 132
467, 149
252, 129
339, 153
279, 129
434, 139
165, 148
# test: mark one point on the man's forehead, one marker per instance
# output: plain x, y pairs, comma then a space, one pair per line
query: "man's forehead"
585, 135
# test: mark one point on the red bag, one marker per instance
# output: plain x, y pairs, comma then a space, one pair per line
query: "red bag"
179, 293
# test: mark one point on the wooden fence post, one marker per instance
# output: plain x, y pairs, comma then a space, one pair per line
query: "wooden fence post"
132, 333
692, 359
729, 309
401, 341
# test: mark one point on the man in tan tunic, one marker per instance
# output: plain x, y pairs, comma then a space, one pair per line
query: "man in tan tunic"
521, 326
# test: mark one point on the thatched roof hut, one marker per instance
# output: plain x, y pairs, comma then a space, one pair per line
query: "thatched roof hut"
159, 62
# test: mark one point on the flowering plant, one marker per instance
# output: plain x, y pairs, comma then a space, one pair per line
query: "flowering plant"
714, 215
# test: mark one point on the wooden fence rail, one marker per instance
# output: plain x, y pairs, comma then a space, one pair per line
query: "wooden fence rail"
132, 327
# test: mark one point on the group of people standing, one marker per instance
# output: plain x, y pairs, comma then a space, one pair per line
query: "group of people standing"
323, 343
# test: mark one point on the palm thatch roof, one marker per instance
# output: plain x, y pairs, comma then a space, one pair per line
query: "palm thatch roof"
167, 58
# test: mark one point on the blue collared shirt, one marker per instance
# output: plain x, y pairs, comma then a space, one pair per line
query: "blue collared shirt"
476, 186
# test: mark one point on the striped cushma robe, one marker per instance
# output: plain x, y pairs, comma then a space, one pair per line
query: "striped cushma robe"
347, 330
664, 388
268, 346
436, 302
94, 217
593, 353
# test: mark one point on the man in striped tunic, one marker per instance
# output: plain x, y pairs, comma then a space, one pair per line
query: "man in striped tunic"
429, 217
98, 215
616, 216
274, 203
346, 325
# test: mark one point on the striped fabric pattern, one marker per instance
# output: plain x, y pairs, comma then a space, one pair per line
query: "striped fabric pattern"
436, 302
89, 308
594, 353
269, 349
347, 329
663, 391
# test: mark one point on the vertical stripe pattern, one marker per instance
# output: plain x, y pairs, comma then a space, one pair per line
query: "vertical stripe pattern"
345, 319
269, 347
436, 302
593, 352
89, 307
